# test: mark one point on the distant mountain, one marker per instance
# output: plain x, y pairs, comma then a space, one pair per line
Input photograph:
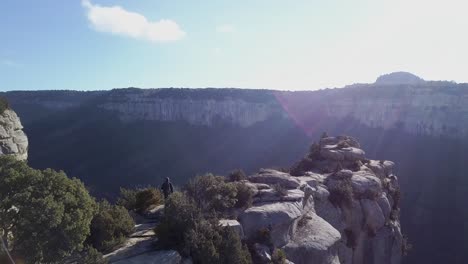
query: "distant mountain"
399, 78
128, 137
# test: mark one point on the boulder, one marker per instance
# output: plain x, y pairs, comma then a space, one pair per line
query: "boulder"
331, 154
353, 154
313, 242
278, 217
234, 225
270, 195
377, 168
271, 177
365, 182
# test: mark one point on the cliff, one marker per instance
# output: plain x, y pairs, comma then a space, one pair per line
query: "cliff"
205, 107
397, 100
13, 140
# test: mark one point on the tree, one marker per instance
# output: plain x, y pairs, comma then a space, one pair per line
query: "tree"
110, 227
44, 215
212, 192
146, 198
198, 235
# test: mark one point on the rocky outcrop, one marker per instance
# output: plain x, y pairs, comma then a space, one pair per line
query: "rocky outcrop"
13, 140
342, 208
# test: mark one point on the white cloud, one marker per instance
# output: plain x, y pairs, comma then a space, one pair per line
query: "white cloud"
117, 20
225, 28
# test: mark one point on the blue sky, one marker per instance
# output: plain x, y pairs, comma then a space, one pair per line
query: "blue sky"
275, 44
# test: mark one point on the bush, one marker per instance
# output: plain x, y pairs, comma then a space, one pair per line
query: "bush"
237, 175
146, 198
127, 198
280, 190
91, 256
3, 105
341, 195
212, 193
306, 164
406, 246
180, 216
244, 196
110, 227
278, 257
185, 229
45, 214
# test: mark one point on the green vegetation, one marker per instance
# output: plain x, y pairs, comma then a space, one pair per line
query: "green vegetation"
341, 195
244, 195
140, 200
147, 198
127, 198
237, 175
110, 227
191, 225
278, 257
44, 215
3, 105
212, 193
91, 256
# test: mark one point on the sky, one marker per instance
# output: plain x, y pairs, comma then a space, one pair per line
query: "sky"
267, 44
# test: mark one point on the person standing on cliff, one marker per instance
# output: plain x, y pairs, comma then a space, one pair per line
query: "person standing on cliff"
167, 188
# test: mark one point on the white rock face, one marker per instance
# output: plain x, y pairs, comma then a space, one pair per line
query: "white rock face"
13, 140
421, 109
144, 105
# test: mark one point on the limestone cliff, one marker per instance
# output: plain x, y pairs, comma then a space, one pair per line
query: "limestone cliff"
342, 208
205, 107
13, 140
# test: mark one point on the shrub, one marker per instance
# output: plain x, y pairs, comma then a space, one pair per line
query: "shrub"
212, 193
280, 190
199, 236
406, 246
52, 212
341, 195
231, 249
180, 216
127, 198
110, 227
298, 169
237, 175
278, 257
91, 256
3, 104
244, 196
146, 198
314, 150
